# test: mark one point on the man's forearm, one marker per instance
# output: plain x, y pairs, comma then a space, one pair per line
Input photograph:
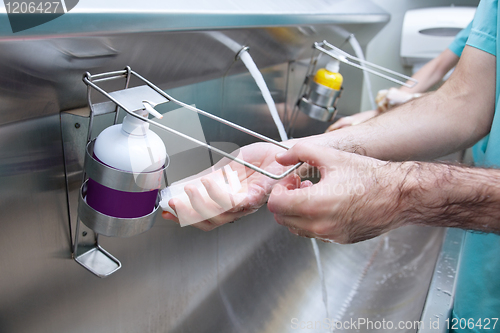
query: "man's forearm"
452, 196
422, 129
452, 118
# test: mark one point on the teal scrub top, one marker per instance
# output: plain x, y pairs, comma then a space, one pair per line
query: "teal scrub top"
477, 297
458, 44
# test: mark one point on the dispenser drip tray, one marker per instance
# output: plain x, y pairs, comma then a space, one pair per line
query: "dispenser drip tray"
99, 261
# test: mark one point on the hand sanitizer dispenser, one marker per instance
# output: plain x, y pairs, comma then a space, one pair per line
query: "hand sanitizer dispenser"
130, 146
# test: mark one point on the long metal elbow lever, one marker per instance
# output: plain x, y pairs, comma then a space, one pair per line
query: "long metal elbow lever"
223, 153
88, 79
375, 69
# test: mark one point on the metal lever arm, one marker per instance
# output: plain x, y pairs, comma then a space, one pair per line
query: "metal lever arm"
88, 80
346, 58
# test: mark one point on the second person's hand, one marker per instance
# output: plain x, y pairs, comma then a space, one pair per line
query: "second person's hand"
355, 119
221, 207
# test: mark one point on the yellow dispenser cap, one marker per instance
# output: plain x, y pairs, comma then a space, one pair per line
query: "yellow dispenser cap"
329, 76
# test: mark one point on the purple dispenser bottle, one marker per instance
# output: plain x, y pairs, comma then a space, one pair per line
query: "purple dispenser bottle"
133, 147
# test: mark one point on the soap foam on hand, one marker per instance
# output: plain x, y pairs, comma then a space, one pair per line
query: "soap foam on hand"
232, 186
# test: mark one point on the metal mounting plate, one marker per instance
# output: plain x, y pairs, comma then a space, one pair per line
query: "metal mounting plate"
132, 98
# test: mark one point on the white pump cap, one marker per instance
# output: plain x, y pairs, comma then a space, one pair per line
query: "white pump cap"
135, 126
333, 66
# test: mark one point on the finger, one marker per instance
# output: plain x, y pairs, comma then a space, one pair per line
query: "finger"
169, 216
307, 152
207, 209
243, 171
172, 203
186, 214
205, 225
342, 122
283, 201
222, 198
346, 125
306, 183
290, 182
251, 196
211, 213
299, 202
222, 219
208, 225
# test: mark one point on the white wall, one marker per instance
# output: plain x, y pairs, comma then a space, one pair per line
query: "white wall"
384, 48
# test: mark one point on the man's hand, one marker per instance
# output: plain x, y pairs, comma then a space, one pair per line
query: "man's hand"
356, 198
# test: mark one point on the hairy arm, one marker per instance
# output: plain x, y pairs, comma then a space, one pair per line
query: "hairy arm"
359, 197
452, 196
452, 118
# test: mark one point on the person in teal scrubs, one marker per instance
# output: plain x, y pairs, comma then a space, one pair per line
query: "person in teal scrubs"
458, 44
369, 184
477, 298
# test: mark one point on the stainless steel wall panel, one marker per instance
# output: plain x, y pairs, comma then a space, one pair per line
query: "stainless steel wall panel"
250, 276
43, 76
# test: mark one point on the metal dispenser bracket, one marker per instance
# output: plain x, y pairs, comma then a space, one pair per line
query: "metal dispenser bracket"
121, 101
310, 92
92, 256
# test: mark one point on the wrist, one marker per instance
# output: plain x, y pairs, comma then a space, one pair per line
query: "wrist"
401, 185
382, 205
403, 193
